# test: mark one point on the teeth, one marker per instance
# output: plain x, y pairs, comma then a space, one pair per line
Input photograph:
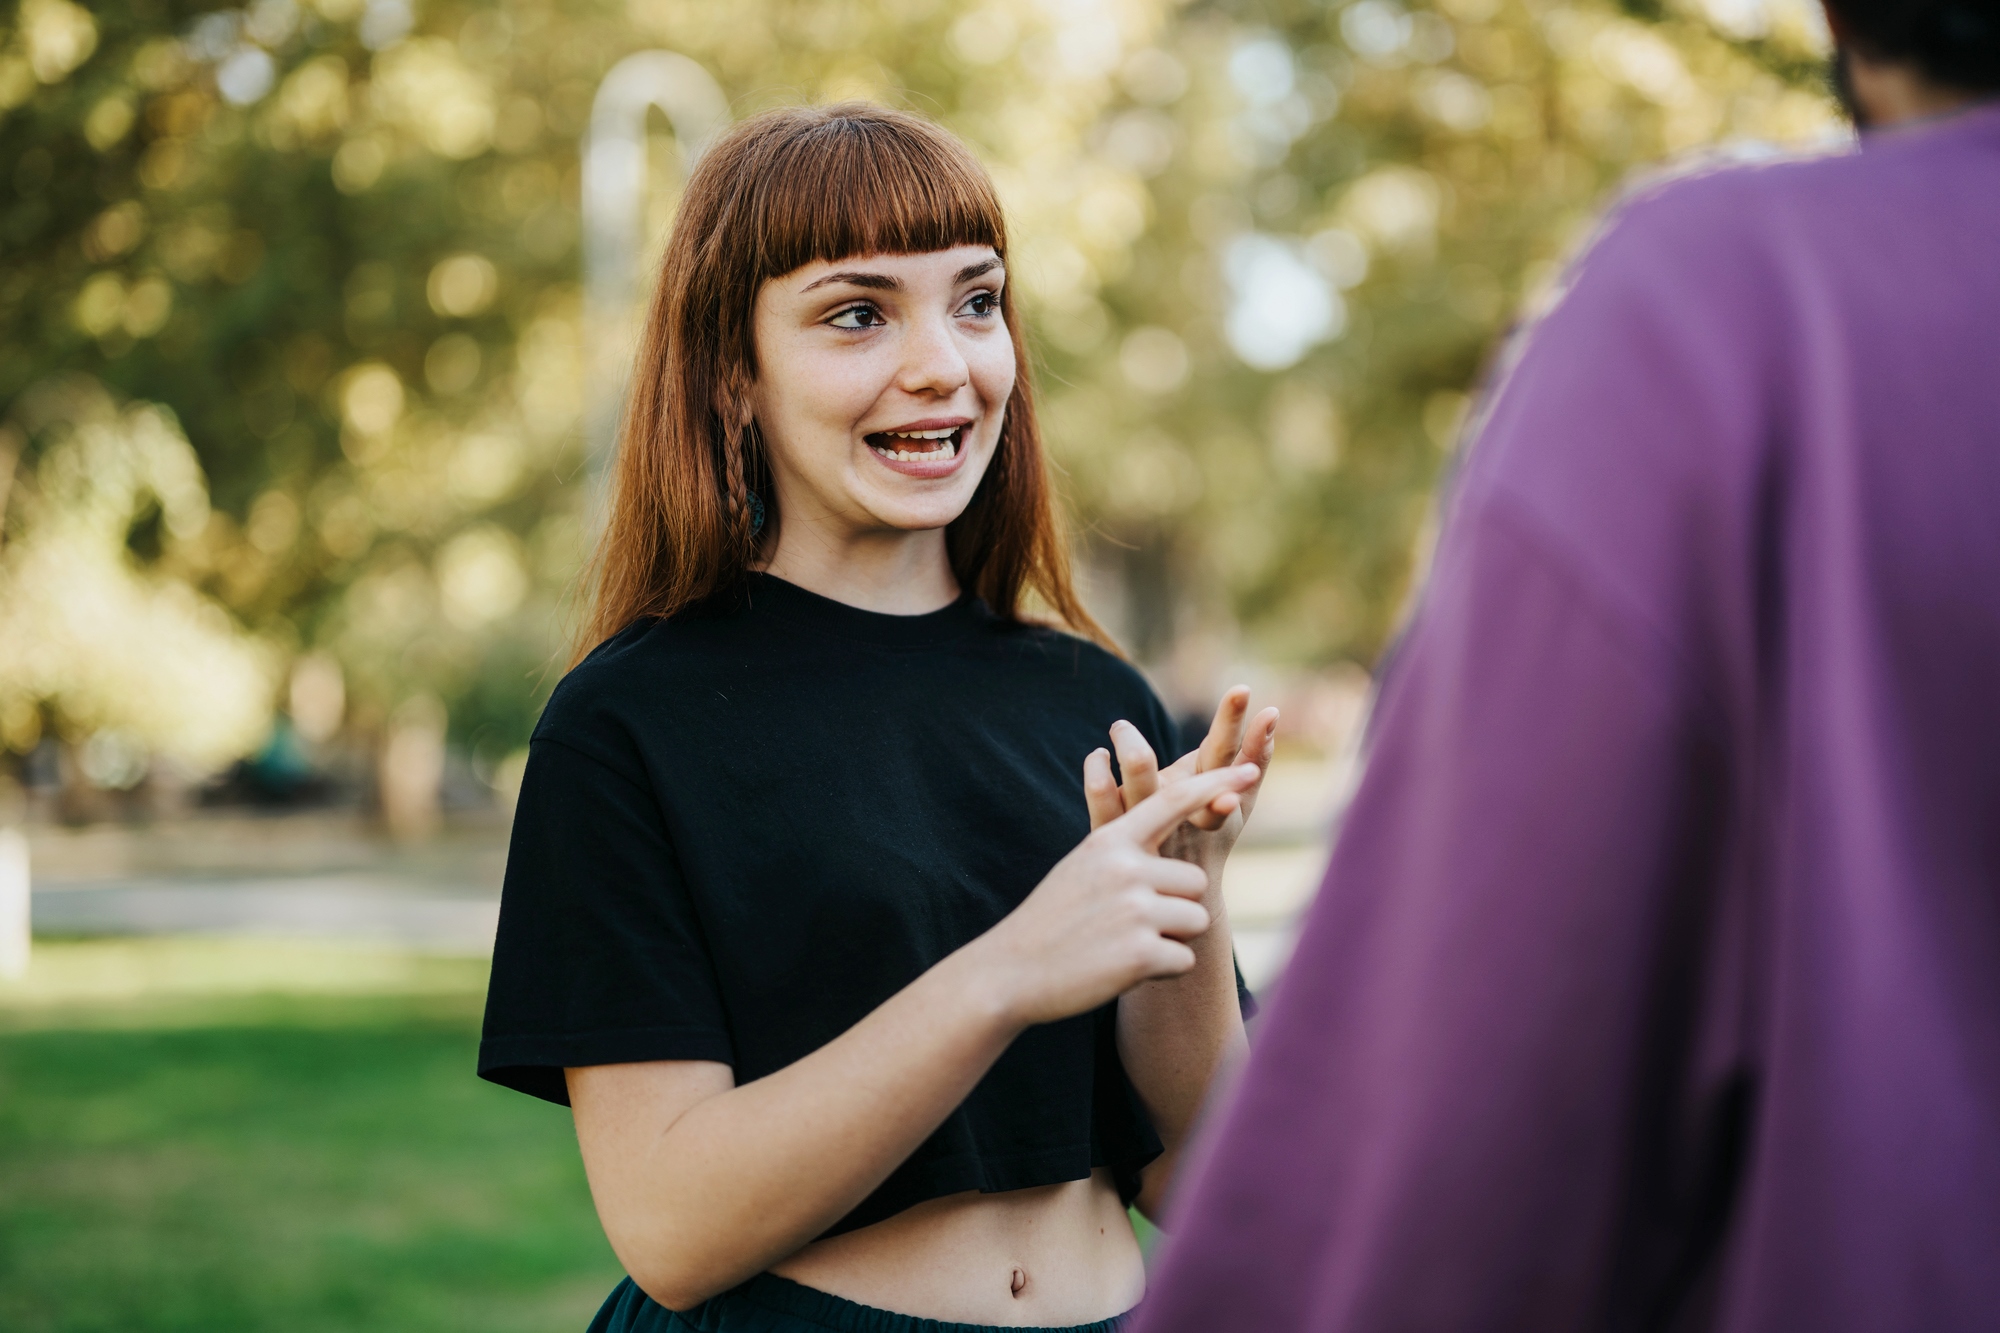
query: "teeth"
946, 445
947, 450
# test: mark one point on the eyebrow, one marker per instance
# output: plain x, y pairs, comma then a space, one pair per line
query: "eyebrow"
880, 282
883, 282
971, 271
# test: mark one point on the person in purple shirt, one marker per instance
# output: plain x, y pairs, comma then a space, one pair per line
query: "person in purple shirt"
1655, 982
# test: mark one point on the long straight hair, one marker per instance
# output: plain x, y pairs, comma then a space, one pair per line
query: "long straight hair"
779, 191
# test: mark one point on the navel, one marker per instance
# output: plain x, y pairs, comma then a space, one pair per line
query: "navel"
1019, 1283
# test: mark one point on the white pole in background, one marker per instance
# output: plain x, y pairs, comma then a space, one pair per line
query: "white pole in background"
614, 206
13, 905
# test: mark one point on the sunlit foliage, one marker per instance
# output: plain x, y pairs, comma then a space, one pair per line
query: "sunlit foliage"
1266, 245
1351, 204
118, 649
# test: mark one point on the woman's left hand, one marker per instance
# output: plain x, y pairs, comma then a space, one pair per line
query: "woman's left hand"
1206, 837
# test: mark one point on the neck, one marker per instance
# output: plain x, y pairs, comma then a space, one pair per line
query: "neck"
896, 573
1885, 93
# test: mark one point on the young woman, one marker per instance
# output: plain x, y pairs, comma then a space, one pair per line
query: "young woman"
869, 987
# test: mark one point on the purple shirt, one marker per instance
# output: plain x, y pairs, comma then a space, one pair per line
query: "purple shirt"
1656, 979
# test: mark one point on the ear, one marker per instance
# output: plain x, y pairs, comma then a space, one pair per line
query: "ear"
1835, 23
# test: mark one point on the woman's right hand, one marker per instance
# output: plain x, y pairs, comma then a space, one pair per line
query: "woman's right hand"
1113, 913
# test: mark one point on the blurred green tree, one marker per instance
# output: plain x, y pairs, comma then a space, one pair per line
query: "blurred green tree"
1351, 204
1266, 247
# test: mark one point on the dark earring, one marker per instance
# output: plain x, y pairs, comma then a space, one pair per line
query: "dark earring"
756, 513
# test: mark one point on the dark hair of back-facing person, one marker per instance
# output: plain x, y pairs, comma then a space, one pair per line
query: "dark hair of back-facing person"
1954, 42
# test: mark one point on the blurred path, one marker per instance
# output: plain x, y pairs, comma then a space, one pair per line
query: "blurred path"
329, 877
376, 909
333, 877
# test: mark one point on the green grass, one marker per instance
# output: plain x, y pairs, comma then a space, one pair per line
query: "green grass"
297, 1163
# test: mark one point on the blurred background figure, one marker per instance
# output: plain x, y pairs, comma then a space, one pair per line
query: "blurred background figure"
1656, 979
296, 424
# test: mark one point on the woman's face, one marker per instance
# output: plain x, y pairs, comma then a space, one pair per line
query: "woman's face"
881, 386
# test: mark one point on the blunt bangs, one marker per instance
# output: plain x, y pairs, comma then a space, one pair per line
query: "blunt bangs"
693, 507
850, 179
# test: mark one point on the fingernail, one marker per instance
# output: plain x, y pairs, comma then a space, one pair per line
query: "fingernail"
1246, 770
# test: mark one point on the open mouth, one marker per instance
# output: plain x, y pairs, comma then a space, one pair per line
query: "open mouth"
918, 446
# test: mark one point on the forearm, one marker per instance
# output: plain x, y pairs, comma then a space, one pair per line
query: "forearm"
1174, 1034
700, 1184
746, 1177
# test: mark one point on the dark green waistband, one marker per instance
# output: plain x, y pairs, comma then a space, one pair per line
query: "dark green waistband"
770, 1304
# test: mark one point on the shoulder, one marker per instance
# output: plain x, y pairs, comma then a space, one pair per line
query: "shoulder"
1685, 285
610, 671
1071, 654
602, 699
1096, 677
1704, 227
1633, 428
1699, 229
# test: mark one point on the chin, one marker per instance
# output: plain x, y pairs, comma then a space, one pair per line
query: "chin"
917, 506
920, 517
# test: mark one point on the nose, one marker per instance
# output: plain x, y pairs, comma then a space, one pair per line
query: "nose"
932, 362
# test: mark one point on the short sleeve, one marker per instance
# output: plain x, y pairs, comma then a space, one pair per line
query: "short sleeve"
600, 957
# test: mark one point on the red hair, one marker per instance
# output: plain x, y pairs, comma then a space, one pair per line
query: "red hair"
777, 192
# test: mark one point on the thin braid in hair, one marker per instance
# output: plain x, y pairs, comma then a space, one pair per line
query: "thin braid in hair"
736, 485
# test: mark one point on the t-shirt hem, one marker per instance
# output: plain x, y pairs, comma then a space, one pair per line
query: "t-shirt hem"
990, 1174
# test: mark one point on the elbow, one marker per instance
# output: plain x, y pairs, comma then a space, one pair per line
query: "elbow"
676, 1264
675, 1278
1154, 1181
672, 1286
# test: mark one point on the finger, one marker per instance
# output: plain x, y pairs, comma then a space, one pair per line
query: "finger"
1169, 958
1225, 734
1260, 740
1216, 813
1178, 919
1100, 789
1182, 879
1221, 808
1259, 744
1161, 813
1224, 740
1136, 762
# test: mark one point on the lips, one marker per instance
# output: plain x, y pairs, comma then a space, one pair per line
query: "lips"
923, 449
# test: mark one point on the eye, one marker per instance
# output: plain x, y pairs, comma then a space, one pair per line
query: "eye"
981, 304
858, 317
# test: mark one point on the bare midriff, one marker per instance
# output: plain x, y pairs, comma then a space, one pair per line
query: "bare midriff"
1051, 1256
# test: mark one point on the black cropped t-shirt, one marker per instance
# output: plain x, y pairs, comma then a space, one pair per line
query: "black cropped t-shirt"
742, 830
